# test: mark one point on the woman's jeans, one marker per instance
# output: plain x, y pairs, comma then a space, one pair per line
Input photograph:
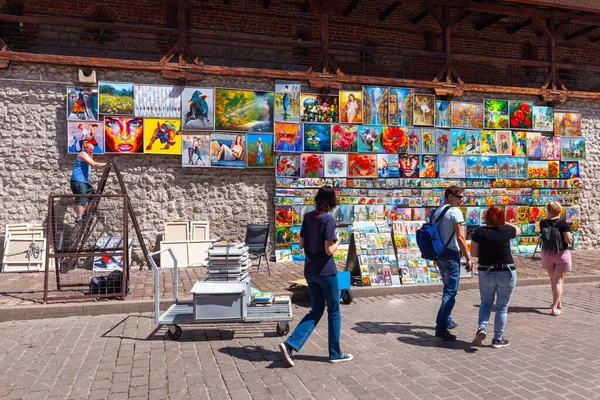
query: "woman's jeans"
499, 285
323, 289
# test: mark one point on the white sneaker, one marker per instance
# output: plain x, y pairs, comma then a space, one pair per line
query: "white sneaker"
345, 357
287, 354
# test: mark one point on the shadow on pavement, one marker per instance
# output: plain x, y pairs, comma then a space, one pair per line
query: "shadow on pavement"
517, 309
259, 353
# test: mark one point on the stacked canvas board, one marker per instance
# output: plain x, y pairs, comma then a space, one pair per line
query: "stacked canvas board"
189, 241
24, 248
228, 262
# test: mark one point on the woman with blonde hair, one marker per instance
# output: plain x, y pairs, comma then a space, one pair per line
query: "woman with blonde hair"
556, 257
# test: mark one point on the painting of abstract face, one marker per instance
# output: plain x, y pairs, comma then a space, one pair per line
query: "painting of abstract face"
409, 166
123, 134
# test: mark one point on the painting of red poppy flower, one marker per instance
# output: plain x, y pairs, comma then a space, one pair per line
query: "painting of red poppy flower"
362, 165
520, 114
311, 165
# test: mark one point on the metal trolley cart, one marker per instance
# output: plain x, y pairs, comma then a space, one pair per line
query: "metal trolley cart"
215, 302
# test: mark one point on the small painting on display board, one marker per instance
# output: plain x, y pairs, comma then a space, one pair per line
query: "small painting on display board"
543, 118
344, 138
82, 103
283, 255
123, 135
473, 146
284, 216
443, 114
569, 169
195, 150
567, 124
244, 110
283, 236
288, 165
512, 167
534, 144
287, 101
197, 108
228, 150
259, 152
452, 167
511, 213
81, 131
344, 214
519, 144
162, 136
157, 101
350, 107
311, 165
444, 141
317, 137
495, 114
375, 105
428, 141
297, 253
115, 98
319, 108
488, 143
335, 165
553, 169
409, 166
362, 166
369, 139
482, 167
550, 148
395, 139
467, 115
520, 114
572, 148
401, 107
388, 166
537, 169
504, 142
414, 140
424, 110
428, 166
459, 142
288, 137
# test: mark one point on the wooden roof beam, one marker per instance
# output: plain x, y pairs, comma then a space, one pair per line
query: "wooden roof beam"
266, 4
348, 10
517, 27
419, 17
389, 10
489, 21
580, 32
462, 14
595, 39
305, 7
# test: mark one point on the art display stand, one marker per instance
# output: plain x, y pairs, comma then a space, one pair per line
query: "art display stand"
413, 268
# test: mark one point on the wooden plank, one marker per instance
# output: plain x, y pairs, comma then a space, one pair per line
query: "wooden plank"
419, 17
389, 10
351, 7
489, 21
516, 28
580, 32
462, 14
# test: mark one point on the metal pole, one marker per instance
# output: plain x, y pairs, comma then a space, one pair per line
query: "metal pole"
49, 246
125, 269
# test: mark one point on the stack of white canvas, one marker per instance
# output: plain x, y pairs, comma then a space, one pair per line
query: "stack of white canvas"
228, 262
24, 248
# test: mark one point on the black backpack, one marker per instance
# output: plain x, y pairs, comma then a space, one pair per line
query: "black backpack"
551, 237
109, 284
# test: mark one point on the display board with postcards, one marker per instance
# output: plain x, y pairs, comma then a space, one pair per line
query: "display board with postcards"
413, 268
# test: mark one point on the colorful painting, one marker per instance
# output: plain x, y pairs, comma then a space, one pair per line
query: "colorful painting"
344, 138
543, 118
511, 213
520, 114
553, 169
388, 166
452, 167
283, 236
414, 140
344, 214
123, 134
228, 150
162, 136
537, 169
81, 131
428, 166
311, 166
259, 152
409, 166
473, 216
443, 114
424, 110
195, 150
317, 137
504, 142
284, 216
198, 108
283, 255
362, 166
550, 148
467, 115
375, 105
473, 147
401, 107
287, 101
512, 167
395, 139
428, 141
534, 145
350, 107
288, 137
288, 166
572, 213
157, 101
567, 124
297, 253
519, 144
336, 165
488, 143
115, 98
319, 108
369, 139
482, 167
495, 114
459, 142
569, 169
443, 139
82, 103
244, 110
572, 148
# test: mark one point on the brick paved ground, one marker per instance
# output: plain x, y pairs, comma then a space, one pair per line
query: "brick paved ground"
27, 288
396, 356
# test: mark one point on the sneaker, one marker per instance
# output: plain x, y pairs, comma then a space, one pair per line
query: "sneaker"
287, 353
345, 357
445, 334
479, 338
78, 220
500, 343
452, 325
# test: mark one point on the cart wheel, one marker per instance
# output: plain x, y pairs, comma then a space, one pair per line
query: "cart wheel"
347, 296
284, 329
174, 332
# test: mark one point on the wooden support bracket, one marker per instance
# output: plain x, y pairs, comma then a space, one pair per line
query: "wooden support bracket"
325, 62
181, 48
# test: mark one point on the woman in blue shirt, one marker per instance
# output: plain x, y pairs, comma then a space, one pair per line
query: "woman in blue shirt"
319, 241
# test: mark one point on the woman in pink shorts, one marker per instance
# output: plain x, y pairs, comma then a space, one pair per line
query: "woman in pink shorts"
556, 257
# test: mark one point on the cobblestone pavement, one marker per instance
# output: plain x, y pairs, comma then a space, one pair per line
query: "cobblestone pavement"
396, 356
24, 289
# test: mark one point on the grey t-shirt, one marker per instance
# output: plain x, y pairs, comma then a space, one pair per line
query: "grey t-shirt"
453, 216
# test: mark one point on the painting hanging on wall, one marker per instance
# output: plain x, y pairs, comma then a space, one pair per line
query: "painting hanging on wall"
428, 141
369, 139
115, 98
572, 149
520, 114
443, 114
519, 144
401, 107
467, 115
495, 114
459, 142
473, 142
452, 167
375, 105
197, 108
394, 139
344, 138
124, 135
288, 166
569, 169
428, 166
82, 103
228, 150
162, 136
409, 166
195, 150
81, 131
317, 137
444, 141
243, 110
488, 143
311, 165
504, 142
423, 112
350, 107
543, 118
319, 108
554, 169
414, 140
534, 145
157, 101
362, 166
567, 124
259, 152
485, 167
550, 148
288, 137
287, 101
387, 166
512, 167
335, 165
537, 169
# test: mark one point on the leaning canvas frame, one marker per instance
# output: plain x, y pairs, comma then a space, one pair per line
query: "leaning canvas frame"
15, 260
177, 231
180, 251
200, 230
198, 252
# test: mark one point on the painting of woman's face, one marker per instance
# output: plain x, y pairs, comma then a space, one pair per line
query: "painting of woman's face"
124, 134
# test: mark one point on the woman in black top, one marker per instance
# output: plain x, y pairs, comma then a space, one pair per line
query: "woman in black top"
497, 274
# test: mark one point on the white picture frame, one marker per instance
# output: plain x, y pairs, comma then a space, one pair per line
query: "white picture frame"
177, 231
